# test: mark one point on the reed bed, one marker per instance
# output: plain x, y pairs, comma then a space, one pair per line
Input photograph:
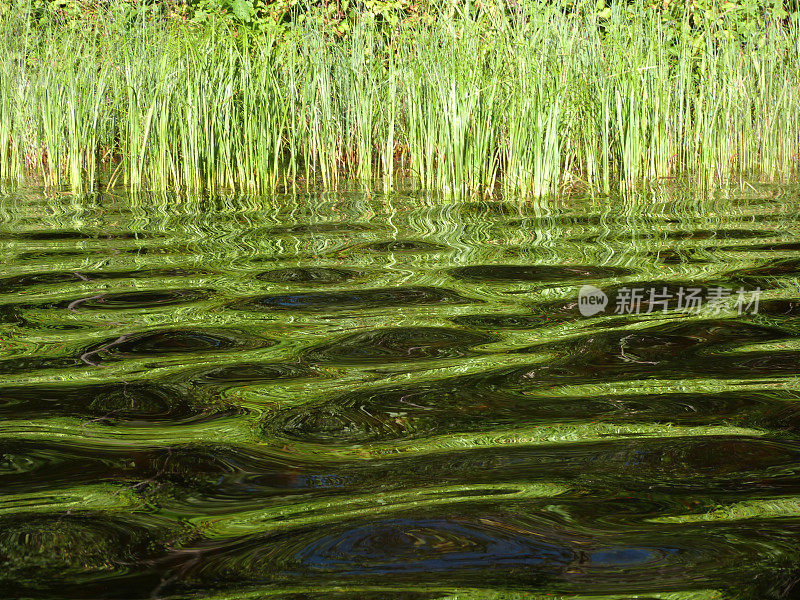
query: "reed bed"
529, 103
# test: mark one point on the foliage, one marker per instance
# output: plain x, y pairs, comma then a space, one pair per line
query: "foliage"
737, 18
475, 100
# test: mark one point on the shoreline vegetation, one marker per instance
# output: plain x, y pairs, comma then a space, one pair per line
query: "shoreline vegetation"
524, 99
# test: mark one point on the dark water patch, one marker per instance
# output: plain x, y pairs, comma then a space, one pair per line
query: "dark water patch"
207, 474
667, 342
723, 331
114, 404
43, 254
536, 273
27, 364
144, 299
509, 552
469, 552
154, 343
11, 314
711, 463
776, 247
347, 300
753, 365
323, 594
219, 479
339, 423
778, 307
670, 351
35, 466
139, 299
647, 361
467, 404
49, 235
720, 234
682, 257
784, 415
558, 220
559, 313
321, 228
215, 479
36, 549
765, 275
24, 282
308, 275
86, 554
253, 373
403, 246
492, 209
697, 234
52, 235
429, 547
398, 345
164, 342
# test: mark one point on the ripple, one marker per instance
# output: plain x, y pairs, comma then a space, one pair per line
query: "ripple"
253, 373
207, 474
330, 227
426, 546
398, 344
52, 235
345, 300
403, 246
78, 555
469, 404
28, 280
539, 273
780, 307
721, 234
139, 299
764, 275
670, 351
474, 435
332, 423
669, 256
31, 466
116, 403
434, 549
546, 318
308, 275
10, 314
16, 366
40, 254
57, 544
162, 342
768, 247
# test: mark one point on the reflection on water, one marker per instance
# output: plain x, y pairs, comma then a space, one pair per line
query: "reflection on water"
362, 396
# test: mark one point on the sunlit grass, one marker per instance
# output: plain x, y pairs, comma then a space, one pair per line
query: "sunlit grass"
480, 103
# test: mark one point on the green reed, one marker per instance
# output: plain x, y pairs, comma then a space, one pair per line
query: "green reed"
527, 103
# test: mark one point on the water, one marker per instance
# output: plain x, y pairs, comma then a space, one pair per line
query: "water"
370, 396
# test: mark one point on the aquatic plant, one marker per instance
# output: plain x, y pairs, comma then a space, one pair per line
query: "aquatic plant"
531, 102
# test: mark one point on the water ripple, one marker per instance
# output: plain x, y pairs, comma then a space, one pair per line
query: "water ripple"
364, 396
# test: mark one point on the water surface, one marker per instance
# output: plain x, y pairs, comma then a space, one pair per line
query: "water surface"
397, 396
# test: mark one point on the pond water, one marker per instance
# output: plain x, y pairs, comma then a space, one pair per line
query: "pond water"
359, 395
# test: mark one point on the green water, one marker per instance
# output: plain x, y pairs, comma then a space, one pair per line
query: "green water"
396, 396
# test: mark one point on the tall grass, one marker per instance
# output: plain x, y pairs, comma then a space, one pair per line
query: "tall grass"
525, 102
